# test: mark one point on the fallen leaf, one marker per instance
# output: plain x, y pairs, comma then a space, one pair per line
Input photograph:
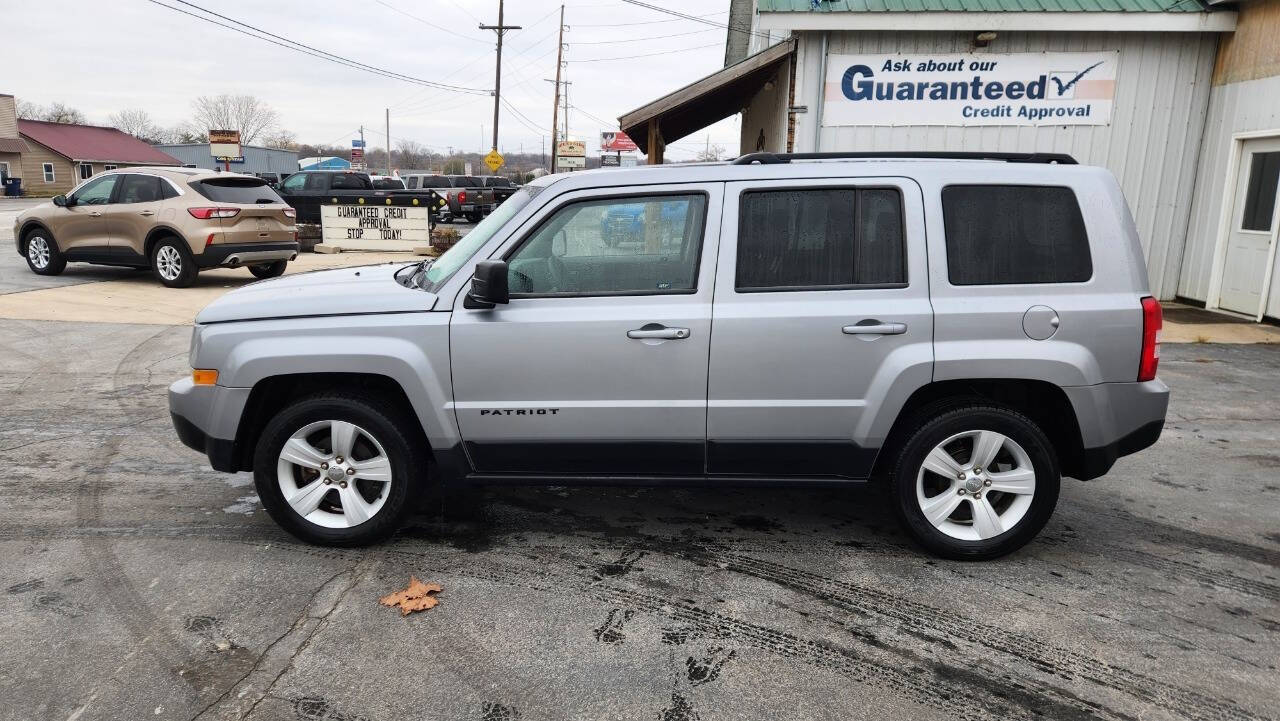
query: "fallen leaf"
417, 597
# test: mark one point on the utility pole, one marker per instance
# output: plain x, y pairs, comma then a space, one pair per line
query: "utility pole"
388, 141
500, 29
555, 104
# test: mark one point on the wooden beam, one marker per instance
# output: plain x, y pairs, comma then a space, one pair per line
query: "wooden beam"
656, 146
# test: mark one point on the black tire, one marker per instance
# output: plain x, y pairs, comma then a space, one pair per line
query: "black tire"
48, 262
174, 273
376, 418
269, 270
474, 217
932, 432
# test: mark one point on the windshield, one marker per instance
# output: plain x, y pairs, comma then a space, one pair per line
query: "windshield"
455, 257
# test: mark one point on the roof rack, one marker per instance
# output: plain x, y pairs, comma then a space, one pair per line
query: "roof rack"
779, 158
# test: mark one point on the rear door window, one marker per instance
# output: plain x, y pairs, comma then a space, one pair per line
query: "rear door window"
820, 239
1008, 234
248, 191
141, 189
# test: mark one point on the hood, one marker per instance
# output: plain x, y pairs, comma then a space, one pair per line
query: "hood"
343, 291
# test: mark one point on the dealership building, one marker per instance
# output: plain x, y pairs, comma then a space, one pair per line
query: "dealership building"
252, 159
1179, 99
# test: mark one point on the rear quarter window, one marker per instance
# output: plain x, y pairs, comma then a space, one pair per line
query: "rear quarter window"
249, 191
1010, 234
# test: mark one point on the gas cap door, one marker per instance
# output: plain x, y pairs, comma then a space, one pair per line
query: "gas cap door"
1040, 322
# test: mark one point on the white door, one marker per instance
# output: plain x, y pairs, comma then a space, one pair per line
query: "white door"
1253, 221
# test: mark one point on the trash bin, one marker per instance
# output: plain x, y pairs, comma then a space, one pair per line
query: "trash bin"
13, 187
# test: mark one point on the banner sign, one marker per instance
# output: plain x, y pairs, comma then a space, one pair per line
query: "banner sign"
617, 142
573, 148
346, 225
971, 89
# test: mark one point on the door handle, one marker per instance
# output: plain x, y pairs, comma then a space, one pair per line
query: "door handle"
659, 333
146, 212
95, 214
875, 328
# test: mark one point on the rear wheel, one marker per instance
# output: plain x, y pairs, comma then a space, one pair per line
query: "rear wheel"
43, 256
337, 470
976, 482
269, 270
172, 262
473, 217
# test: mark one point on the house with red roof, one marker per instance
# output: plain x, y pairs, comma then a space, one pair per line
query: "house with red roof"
59, 156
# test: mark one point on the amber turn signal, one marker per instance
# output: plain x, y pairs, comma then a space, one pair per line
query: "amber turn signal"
204, 377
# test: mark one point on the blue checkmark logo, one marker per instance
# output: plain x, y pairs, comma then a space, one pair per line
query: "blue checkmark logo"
1064, 87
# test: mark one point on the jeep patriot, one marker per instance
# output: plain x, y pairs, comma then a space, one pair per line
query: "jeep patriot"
965, 328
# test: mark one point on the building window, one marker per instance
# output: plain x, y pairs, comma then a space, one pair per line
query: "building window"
108, 167
1260, 196
820, 239
1009, 234
4, 170
48, 173
86, 171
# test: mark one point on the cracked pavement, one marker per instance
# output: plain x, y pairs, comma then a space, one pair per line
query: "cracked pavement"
141, 584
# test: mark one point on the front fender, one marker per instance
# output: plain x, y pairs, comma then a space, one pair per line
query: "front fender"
409, 348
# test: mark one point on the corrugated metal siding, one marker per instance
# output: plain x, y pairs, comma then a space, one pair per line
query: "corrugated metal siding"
1151, 144
889, 6
1233, 108
256, 159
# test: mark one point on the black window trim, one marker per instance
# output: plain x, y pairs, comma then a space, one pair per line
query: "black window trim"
1093, 271
855, 186
697, 266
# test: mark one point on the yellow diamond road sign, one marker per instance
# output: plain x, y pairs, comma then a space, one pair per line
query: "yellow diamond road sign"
493, 160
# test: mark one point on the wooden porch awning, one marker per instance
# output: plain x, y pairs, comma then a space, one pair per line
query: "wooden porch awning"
703, 102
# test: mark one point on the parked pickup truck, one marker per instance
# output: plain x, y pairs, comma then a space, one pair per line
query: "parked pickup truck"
466, 195
503, 187
306, 191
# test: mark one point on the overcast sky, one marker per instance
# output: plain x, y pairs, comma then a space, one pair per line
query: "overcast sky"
101, 57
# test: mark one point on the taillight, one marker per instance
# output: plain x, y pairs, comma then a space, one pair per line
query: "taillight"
290, 213
207, 213
462, 196
1152, 322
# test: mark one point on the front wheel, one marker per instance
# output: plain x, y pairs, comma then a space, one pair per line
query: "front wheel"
337, 470
976, 482
269, 270
43, 256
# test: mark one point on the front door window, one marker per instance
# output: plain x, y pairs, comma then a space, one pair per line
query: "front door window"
96, 192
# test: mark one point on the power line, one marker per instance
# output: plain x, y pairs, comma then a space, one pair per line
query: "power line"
637, 40
695, 18
308, 50
643, 22
452, 31
647, 55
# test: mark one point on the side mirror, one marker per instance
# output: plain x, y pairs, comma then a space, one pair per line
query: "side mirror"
488, 285
60, 201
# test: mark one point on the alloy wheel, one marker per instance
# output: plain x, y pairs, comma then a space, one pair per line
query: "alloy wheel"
976, 485
334, 474
169, 262
38, 252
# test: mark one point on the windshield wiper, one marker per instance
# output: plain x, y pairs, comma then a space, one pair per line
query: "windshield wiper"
420, 271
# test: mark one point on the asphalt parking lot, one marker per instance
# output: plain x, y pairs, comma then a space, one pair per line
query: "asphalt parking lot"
141, 584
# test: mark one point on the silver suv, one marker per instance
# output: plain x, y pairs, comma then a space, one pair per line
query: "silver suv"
965, 329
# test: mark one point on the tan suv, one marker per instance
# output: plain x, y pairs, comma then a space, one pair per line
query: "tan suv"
175, 221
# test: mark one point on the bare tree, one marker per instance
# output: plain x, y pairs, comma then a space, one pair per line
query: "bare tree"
138, 123
54, 113
245, 113
412, 154
710, 154
281, 138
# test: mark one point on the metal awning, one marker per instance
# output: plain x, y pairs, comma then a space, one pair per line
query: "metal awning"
703, 102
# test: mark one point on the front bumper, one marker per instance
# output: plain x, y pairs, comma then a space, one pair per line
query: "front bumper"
206, 419
235, 255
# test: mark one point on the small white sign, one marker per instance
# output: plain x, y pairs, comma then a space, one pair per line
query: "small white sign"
971, 89
349, 226
571, 161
